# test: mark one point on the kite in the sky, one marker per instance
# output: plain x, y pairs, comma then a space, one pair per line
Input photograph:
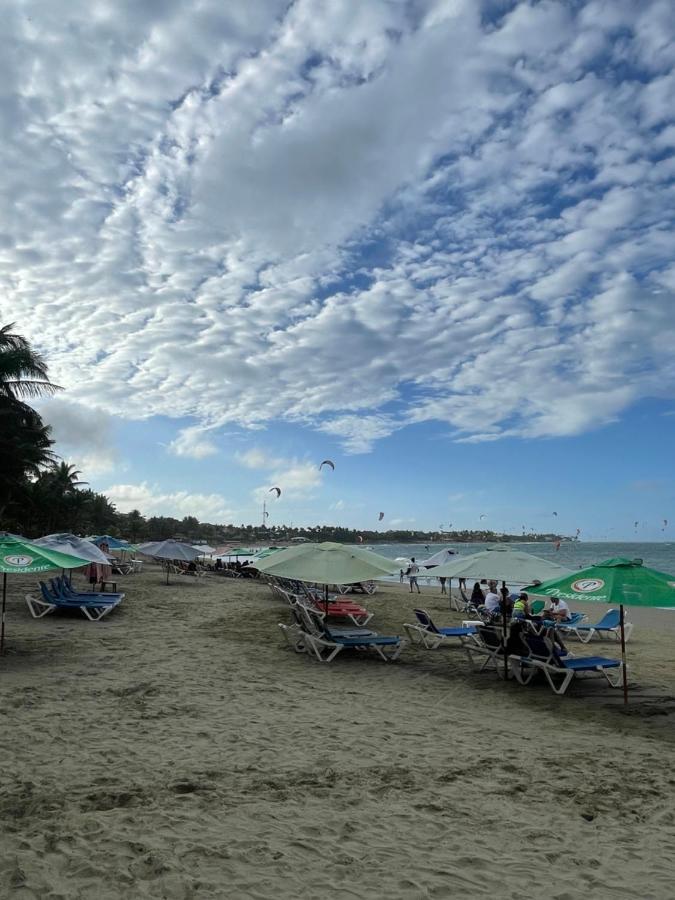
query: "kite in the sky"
277, 489
380, 517
360, 538
555, 513
665, 524
635, 525
327, 462
483, 516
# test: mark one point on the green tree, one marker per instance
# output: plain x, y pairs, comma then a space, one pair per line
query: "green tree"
25, 440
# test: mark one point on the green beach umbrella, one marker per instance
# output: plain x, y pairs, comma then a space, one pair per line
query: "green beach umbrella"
615, 581
21, 557
327, 563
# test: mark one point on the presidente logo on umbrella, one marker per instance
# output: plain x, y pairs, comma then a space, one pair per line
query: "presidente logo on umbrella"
587, 585
18, 560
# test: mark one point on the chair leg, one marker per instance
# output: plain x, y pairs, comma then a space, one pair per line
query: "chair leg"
35, 605
564, 684
585, 636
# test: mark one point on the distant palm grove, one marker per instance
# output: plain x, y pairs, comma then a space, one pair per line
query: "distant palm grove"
42, 494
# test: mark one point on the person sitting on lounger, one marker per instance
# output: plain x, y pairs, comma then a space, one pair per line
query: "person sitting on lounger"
521, 607
560, 611
492, 598
477, 595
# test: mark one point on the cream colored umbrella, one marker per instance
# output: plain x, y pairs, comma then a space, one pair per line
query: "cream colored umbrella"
327, 563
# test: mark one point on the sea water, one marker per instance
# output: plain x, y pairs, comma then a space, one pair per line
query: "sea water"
572, 554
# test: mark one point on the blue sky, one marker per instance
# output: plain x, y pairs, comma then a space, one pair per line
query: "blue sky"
430, 240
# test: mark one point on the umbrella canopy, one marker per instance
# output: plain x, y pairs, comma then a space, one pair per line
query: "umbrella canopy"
21, 557
147, 548
171, 550
438, 559
112, 542
614, 581
74, 546
204, 549
502, 564
327, 563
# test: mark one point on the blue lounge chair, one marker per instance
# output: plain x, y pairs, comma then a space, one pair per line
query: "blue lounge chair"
427, 635
296, 633
94, 608
559, 670
325, 643
608, 626
61, 587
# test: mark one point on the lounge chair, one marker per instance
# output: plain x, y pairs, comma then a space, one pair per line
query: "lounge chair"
325, 643
609, 626
63, 589
426, 634
486, 648
94, 607
559, 670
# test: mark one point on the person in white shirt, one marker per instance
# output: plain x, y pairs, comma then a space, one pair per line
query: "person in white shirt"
492, 598
560, 611
413, 569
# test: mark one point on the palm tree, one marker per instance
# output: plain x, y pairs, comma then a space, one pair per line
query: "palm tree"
23, 371
24, 438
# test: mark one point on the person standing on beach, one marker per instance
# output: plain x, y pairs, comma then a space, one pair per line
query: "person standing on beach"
443, 588
413, 569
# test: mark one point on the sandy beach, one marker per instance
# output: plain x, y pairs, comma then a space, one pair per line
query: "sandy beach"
178, 749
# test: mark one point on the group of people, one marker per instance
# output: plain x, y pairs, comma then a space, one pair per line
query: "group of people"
499, 600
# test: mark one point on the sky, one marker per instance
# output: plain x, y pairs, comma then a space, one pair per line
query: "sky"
431, 240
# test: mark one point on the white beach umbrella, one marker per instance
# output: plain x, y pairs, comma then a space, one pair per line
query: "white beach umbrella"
75, 546
502, 563
438, 559
327, 563
170, 550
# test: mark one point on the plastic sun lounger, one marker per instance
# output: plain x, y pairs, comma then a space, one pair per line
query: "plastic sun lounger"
487, 648
299, 633
63, 590
326, 645
91, 608
65, 593
609, 625
426, 634
560, 670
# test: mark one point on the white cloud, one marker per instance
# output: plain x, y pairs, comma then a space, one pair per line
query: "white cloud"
247, 212
83, 435
191, 442
153, 501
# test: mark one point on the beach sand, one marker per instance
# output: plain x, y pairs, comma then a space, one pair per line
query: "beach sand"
178, 749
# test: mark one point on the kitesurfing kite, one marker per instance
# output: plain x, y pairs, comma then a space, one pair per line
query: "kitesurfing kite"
360, 538
380, 517
327, 462
483, 516
277, 489
665, 524
555, 513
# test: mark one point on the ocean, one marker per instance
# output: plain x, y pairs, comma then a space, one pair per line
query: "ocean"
573, 555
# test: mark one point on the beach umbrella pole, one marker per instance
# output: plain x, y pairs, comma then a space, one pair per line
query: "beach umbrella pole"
623, 656
4, 599
325, 600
